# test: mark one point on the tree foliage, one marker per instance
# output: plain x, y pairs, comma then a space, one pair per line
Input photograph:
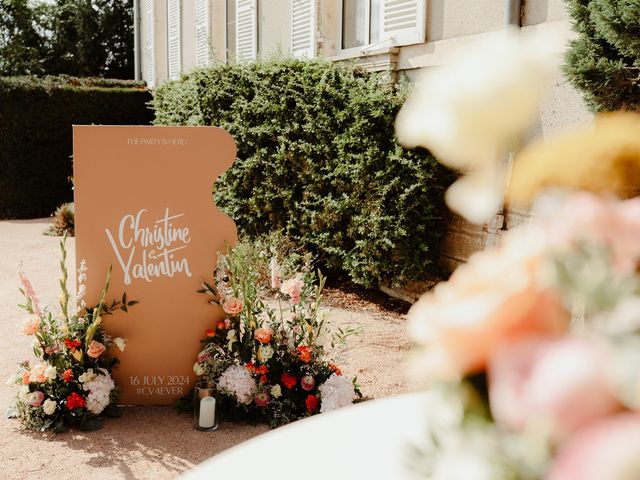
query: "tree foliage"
73, 37
604, 61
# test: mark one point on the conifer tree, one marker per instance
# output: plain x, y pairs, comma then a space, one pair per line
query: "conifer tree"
604, 61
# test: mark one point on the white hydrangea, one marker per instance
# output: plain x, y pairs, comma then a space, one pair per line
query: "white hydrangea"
49, 406
99, 389
238, 381
336, 392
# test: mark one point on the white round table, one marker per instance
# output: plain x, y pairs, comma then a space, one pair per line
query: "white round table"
369, 440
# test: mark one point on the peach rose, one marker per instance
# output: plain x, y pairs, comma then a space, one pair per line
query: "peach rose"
263, 335
607, 449
493, 299
232, 306
38, 374
95, 349
561, 382
25, 377
31, 326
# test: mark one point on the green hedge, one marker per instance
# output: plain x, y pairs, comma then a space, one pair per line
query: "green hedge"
318, 159
36, 115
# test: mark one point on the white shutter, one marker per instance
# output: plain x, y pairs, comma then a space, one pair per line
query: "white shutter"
147, 42
246, 30
173, 35
403, 21
303, 28
202, 33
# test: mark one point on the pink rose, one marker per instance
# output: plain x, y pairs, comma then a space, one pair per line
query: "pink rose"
31, 326
293, 288
492, 299
95, 349
562, 382
262, 399
232, 306
35, 399
51, 350
307, 383
605, 450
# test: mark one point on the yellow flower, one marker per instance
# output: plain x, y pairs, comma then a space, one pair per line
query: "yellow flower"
603, 158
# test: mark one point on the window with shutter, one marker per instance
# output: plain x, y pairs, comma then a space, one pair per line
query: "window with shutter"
303, 28
202, 33
246, 30
173, 35
147, 42
404, 21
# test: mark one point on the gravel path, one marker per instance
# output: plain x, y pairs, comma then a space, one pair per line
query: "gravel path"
152, 442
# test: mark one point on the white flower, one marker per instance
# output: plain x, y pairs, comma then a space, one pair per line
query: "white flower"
237, 381
49, 406
231, 337
51, 372
82, 288
470, 112
336, 392
99, 388
121, 343
276, 391
23, 392
14, 379
265, 352
87, 376
35, 343
198, 369
276, 278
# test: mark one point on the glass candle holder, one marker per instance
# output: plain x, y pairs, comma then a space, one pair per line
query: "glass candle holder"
205, 413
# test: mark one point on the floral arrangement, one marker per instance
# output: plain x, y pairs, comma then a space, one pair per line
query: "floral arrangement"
70, 383
270, 364
531, 349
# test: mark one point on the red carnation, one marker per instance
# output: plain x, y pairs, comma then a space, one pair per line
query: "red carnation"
74, 401
72, 344
264, 379
262, 370
312, 403
288, 380
210, 332
304, 353
67, 375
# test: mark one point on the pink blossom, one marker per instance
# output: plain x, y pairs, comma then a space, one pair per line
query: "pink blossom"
35, 399
203, 357
276, 279
560, 381
262, 399
307, 383
293, 288
30, 293
605, 450
607, 221
31, 325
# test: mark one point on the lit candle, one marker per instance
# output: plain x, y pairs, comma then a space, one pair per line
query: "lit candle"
207, 417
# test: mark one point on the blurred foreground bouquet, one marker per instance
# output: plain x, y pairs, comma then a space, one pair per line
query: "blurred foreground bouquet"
532, 348
70, 383
270, 364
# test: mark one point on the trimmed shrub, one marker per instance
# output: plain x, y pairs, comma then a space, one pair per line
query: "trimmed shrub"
318, 160
36, 115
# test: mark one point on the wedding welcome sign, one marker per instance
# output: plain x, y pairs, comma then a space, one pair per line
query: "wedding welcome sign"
143, 205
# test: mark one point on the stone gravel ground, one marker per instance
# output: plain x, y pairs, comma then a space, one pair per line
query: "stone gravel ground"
157, 442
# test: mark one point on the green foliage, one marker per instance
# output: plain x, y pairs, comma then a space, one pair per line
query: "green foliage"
73, 37
36, 116
318, 161
604, 61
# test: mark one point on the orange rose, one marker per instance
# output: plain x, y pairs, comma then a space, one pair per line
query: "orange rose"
31, 326
38, 374
220, 325
232, 306
210, 332
95, 349
263, 335
25, 377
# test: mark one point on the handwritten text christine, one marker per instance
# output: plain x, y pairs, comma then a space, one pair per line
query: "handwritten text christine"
149, 250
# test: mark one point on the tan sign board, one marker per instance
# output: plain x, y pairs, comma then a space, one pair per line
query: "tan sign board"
143, 204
